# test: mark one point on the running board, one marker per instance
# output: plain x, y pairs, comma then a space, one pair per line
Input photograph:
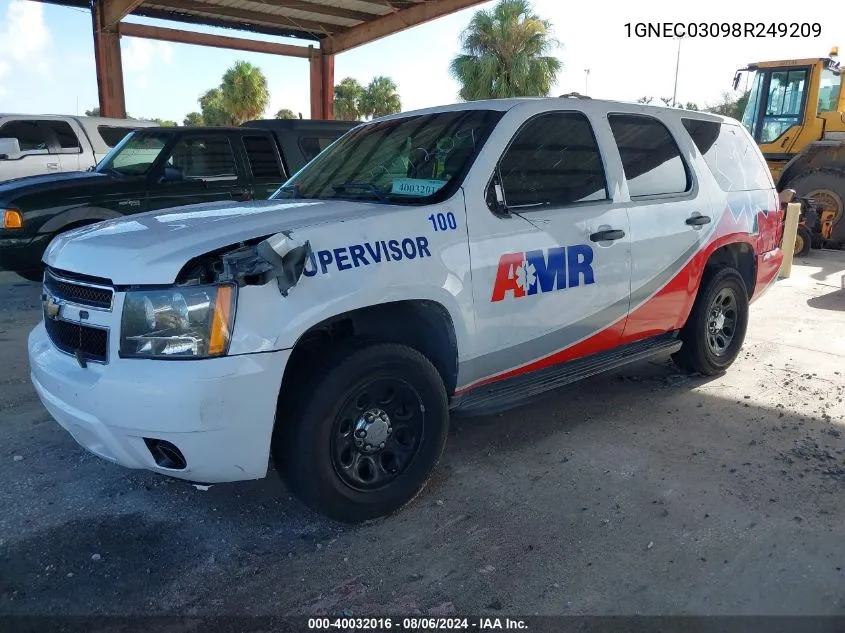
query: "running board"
512, 392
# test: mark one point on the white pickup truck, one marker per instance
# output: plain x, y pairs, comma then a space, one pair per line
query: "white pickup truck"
34, 144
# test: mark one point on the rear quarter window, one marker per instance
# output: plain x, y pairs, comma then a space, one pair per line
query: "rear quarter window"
730, 154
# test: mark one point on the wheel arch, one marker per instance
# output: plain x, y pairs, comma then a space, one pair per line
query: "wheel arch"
422, 324
738, 255
76, 217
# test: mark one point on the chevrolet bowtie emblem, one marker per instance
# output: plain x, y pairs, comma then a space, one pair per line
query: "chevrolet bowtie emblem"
51, 307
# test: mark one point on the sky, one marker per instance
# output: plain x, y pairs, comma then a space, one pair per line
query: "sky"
47, 57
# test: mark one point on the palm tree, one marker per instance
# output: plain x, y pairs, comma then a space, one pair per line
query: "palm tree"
285, 113
213, 110
244, 92
380, 98
505, 54
347, 100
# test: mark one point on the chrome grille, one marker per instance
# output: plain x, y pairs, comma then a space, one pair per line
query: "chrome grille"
91, 342
78, 292
70, 332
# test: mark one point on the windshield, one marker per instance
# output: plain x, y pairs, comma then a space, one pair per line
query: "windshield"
752, 107
411, 160
135, 154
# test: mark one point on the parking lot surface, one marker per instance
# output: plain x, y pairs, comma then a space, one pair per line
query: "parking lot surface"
644, 491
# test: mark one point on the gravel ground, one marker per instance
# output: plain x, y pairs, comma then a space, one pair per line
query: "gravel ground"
644, 491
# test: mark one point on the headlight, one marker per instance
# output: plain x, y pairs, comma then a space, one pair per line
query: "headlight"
188, 322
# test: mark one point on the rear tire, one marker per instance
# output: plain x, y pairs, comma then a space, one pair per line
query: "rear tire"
387, 394
715, 330
827, 188
803, 242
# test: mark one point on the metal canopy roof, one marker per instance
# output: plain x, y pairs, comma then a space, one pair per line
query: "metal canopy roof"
317, 20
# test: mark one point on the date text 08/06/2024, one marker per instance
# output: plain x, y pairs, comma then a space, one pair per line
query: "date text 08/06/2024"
416, 624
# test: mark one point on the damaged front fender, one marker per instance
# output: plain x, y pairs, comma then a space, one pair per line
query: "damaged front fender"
280, 256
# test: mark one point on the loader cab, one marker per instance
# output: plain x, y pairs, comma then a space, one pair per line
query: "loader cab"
787, 102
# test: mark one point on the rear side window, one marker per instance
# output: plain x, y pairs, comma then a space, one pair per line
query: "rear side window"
31, 137
312, 145
730, 155
66, 137
650, 156
554, 160
207, 158
262, 157
111, 134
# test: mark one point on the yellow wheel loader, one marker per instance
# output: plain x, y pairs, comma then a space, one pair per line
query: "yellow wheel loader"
796, 113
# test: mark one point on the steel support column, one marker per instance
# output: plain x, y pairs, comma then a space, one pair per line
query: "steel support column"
322, 84
108, 63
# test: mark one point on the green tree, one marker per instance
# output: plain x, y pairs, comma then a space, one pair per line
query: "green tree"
164, 123
380, 98
689, 105
285, 113
731, 105
347, 100
244, 92
505, 54
213, 110
93, 112
193, 119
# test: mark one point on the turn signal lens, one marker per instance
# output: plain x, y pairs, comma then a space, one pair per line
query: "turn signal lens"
220, 333
12, 219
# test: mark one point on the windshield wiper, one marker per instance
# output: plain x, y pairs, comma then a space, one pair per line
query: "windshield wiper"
360, 186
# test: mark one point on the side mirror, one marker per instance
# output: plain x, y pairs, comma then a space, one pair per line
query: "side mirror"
9, 149
495, 196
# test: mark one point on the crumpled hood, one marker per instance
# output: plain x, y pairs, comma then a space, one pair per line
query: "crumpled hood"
151, 248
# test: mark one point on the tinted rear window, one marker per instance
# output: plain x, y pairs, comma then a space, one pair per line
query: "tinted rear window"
650, 156
262, 157
730, 155
111, 134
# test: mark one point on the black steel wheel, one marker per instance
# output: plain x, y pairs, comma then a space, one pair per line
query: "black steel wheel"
721, 321
377, 433
359, 437
715, 329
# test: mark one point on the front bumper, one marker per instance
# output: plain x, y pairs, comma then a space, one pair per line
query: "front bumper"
218, 412
22, 254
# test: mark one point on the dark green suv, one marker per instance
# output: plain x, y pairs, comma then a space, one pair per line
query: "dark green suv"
151, 169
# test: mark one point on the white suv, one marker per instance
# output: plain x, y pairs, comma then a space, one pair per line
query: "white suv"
458, 258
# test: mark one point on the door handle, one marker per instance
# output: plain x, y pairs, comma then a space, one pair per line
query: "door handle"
242, 195
52, 165
698, 220
608, 235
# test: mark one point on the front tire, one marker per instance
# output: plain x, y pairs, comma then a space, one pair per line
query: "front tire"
715, 329
362, 440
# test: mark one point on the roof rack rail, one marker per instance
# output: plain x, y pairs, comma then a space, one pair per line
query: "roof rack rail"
574, 95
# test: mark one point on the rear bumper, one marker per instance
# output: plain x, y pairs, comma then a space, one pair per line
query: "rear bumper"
23, 253
218, 412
